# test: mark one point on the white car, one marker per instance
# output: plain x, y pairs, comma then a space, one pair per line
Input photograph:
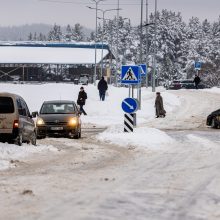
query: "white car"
84, 80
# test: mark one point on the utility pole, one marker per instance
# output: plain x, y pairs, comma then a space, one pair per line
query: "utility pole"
96, 22
141, 54
147, 42
155, 32
117, 27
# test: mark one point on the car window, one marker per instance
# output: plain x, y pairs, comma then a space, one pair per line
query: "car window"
58, 108
19, 105
6, 105
22, 107
24, 104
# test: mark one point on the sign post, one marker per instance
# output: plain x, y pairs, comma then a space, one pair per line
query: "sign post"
129, 106
198, 66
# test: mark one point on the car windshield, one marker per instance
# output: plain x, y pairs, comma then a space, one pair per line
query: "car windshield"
6, 105
57, 108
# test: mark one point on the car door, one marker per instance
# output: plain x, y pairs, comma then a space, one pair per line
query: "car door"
28, 121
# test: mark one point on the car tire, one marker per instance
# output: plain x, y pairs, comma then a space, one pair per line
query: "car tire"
34, 139
19, 139
213, 124
78, 135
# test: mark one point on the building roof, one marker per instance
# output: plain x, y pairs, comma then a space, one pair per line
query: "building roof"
51, 53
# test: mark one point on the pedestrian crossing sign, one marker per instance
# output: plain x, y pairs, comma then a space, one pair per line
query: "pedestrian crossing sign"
130, 74
143, 69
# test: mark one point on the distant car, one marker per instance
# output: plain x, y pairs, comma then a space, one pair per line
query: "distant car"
175, 85
213, 119
189, 84
59, 118
16, 123
84, 79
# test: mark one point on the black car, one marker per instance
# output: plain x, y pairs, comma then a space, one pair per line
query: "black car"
189, 84
213, 119
59, 118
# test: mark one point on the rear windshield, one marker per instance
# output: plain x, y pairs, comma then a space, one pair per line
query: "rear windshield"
58, 108
6, 105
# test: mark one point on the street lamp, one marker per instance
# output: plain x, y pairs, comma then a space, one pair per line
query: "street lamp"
154, 64
96, 8
103, 17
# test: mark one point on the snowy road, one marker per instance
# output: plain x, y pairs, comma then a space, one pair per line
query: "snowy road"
92, 180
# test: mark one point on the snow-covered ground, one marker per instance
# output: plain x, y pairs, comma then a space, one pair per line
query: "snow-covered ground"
106, 114
167, 169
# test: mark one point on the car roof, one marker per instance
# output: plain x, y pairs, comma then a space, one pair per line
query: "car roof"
59, 102
12, 95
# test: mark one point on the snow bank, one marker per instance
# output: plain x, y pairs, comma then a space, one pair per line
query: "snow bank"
212, 90
11, 152
148, 138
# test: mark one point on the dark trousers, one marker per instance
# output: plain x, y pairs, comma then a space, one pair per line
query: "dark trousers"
197, 84
82, 110
102, 95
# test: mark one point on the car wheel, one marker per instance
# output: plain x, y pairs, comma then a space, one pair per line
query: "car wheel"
19, 139
213, 124
78, 135
34, 139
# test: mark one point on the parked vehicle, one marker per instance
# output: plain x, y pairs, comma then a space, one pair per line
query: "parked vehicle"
84, 79
175, 84
185, 84
16, 123
59, 118
213, 119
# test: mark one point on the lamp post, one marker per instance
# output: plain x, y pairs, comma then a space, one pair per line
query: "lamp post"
146, 41
95, 68
103, 23
103, 17
117, 27
154, 64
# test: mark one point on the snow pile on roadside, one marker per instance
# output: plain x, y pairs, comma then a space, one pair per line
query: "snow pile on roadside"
11, 152
212, 90
144, 137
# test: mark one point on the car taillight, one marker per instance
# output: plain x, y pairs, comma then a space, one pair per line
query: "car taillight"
16, 124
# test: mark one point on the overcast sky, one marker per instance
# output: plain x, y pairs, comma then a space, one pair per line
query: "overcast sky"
18, 12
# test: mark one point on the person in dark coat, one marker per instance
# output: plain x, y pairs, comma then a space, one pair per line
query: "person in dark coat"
160, 112
81, 101
197, 80
102, 87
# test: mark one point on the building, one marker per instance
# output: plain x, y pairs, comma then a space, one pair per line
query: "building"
46, 61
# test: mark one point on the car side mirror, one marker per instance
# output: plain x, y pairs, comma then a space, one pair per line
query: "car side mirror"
34, 114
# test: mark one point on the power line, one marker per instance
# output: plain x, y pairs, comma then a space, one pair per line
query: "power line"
81, 3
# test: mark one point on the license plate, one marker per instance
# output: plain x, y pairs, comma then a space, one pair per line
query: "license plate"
56, 128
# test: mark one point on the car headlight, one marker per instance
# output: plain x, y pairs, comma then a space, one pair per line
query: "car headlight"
73, 121
40, 121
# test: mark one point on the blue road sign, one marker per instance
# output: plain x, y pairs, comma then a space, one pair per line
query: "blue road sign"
198, 65
130, 74
143, 69
129, 105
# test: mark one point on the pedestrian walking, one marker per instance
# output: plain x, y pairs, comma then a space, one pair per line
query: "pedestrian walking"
197, 80
102, 87
81, 101
160, 111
